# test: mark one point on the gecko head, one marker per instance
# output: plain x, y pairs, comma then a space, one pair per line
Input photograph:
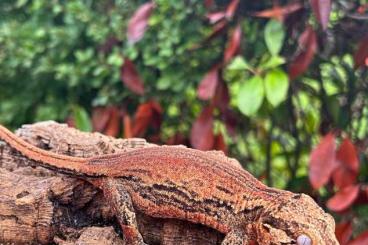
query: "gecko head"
298, 220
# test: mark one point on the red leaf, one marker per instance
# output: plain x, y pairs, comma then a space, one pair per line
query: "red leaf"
215, 17
107, 46
233, 46
230, 120
113, 125
217, 30
147, 114
361, 55
70, 121
363, 195
208, 3
365, 191
343, 199
131, 78
347, 155
222, 97
343, 176
138, 23
207, 87
343, 232
178, 139
322, 161
348, 164
322, 9
106, 120
100, 117
201, 135
231, 8
279, 13
157, 114
307, 49
362, 239
219, 143
154, 138
142, 119
362, 8
128, 131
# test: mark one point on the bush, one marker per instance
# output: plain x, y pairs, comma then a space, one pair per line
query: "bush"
262, 82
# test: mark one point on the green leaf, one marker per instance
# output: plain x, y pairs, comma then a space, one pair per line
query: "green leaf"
311, 122
115, 59
164, 82
335, 109
238, 63
276, 86
82, 120
251, 95
272, 62
274, 36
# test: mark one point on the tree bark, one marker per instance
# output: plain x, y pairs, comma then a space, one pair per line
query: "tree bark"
40, 206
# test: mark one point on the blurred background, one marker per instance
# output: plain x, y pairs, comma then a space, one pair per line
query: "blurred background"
282, 86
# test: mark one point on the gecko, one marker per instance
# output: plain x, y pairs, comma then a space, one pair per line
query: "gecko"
177, 182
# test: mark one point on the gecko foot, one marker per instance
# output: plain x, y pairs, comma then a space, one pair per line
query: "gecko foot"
235, 238
122, 205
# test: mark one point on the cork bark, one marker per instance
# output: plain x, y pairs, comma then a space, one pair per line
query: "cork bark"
39, 206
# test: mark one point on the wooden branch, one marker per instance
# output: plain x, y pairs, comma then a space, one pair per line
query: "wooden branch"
39, 206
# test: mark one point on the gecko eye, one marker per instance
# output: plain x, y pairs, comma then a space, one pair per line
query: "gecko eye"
303, 240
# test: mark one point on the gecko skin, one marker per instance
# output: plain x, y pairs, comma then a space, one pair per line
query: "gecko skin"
200, 187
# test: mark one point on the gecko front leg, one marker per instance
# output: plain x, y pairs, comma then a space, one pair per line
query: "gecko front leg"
236, 237
122, 206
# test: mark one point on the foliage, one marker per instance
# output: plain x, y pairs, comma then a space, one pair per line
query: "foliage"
264, 81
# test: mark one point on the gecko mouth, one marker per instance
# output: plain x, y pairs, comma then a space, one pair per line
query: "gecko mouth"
283, 236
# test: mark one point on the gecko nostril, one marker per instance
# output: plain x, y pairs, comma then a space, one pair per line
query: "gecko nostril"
303, 240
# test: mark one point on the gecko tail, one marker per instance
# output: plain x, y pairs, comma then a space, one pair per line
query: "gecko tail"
47, 159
